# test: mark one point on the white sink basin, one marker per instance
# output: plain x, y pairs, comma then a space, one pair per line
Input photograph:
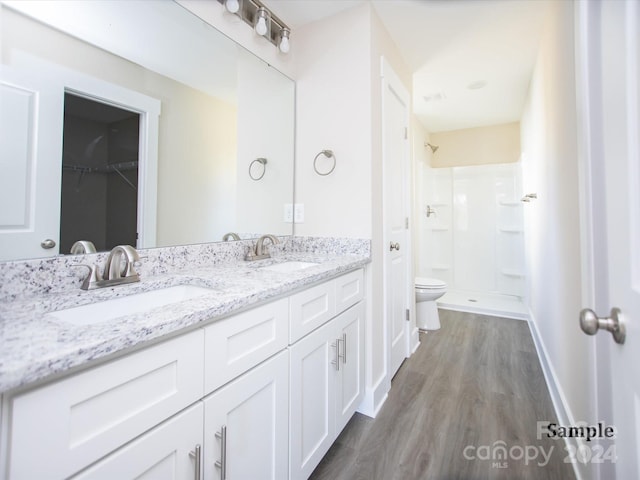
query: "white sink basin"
129, 305
288, 267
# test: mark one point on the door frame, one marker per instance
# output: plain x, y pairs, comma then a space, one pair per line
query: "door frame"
390, 79
593, 220
149, 109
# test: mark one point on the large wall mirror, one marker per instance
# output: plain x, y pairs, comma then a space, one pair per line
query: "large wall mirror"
136, 122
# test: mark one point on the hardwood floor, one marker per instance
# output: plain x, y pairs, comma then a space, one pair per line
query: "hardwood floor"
474, 382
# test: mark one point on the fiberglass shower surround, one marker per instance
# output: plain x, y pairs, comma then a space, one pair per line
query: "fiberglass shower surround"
473, 237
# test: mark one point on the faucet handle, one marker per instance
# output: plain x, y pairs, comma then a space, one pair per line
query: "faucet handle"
120, 262
92, 278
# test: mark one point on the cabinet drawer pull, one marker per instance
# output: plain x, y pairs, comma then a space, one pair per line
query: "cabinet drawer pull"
222, 463
336, 361
197, 455
344, 348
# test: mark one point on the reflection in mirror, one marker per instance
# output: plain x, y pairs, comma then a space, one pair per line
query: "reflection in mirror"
197, 108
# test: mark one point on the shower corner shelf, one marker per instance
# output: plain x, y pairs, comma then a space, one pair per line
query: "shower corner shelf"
441, 266
512, 273
510, 203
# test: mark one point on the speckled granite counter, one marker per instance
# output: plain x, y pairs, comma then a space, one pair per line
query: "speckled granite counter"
34, 347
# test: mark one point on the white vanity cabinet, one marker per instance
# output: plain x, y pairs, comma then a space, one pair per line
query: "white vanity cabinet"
327, 378
261, 394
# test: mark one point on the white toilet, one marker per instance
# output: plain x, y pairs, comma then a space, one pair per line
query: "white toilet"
428, 290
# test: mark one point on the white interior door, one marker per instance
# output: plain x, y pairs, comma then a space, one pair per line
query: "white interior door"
395, 121
609, 62
31, 115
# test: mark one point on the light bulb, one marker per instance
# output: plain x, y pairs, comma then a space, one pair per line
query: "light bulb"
261, 24
232, 6
284, 41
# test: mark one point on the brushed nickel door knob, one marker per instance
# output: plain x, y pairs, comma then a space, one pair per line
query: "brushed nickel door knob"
48, 243
590, 323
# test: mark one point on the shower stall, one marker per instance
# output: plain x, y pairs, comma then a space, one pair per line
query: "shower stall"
471, 235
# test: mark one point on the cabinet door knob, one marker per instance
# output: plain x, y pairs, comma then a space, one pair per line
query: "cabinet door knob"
394, 246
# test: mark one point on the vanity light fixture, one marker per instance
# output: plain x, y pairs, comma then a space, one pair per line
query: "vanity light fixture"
263, 21
232, 6
284, 40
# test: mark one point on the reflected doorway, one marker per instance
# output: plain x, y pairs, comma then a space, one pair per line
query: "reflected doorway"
99, 199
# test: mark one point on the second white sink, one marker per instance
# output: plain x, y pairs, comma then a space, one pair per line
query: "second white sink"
288, 267
129, 305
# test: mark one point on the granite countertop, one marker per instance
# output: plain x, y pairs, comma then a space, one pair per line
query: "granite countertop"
34, 347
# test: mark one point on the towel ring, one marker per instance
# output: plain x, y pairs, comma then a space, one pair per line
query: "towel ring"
263, 162
328, 154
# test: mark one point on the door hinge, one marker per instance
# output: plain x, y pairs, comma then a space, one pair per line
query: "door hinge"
406, 133
408, 315
406, 223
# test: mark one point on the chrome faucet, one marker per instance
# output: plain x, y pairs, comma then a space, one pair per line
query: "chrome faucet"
258, 252
230, 236
119, 269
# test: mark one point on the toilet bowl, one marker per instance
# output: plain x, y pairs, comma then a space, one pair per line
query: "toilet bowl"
428, 290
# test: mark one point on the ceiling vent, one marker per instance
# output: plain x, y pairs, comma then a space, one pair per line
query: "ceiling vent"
435, 97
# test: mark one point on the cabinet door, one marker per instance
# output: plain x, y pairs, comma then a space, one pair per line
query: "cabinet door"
312, 400
350, 381
167, 452
254, 413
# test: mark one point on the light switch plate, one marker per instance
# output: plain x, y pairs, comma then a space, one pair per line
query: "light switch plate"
288, 212
298, 213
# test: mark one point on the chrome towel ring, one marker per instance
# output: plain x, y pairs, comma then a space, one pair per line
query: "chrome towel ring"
328, 154
263, 162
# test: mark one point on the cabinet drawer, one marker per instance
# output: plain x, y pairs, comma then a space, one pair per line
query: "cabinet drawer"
349, 290
238, 343
63, 427
310, 309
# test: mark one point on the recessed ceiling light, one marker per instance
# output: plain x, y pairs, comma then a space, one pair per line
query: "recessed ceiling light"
477, 85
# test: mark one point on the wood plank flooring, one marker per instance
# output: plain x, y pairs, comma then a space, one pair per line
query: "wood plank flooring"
474, 382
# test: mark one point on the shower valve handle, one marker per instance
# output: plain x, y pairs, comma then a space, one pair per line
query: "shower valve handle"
394, 246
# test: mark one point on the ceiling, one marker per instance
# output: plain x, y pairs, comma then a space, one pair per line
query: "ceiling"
452, 46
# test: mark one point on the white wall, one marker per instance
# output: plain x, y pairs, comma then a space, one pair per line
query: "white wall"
262, 95
333, 111
549, 142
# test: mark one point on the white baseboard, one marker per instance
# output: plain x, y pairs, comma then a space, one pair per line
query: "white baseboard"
560, 405
414, 342
374, 398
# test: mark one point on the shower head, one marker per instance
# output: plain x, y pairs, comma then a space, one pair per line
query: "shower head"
432, 147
